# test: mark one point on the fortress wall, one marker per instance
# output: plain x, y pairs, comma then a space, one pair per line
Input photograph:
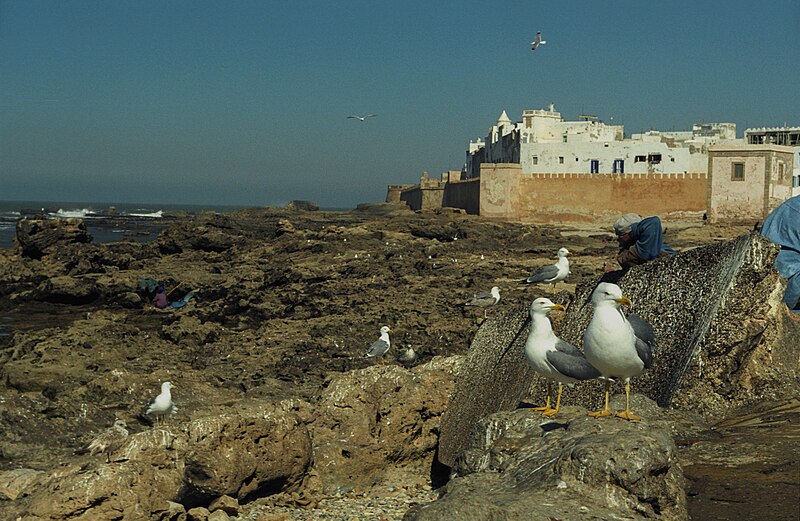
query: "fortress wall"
423, 198
507, 192
463, 194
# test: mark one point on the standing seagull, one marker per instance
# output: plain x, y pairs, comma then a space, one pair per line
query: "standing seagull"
107, 441
381, 345
553, 273
552, 357
537, 41
485, 299
618, 346
162, 405
361, 118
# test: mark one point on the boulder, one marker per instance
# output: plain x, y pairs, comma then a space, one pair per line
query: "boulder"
306, 206
724, 339
517, 467
36, 237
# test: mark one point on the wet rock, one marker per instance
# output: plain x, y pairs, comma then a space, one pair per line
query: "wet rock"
36, 238
518, 467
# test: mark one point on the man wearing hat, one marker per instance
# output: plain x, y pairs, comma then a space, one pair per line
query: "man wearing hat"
640, 240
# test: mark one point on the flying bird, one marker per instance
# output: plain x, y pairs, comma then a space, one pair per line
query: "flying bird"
107, 441
618, 346
485, 299
553, 273
361, 118
381, 345
537, 41
162, 405
552, 357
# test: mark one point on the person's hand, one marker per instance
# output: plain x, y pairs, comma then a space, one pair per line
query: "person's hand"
609, 267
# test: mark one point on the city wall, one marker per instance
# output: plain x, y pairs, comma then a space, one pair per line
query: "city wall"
505, 192
463, 194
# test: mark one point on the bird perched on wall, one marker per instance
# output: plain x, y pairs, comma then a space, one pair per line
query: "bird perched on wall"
485, 299
553, 273
162, 405
107, 441
537, 41
552, 357
381, 345
618, 346
361, 118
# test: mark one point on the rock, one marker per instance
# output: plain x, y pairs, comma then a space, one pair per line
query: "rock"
68, 290
198, 514
697, 301
517, 467
446, 232
306, 206
218, 515
36, 238
14, 482
226, 503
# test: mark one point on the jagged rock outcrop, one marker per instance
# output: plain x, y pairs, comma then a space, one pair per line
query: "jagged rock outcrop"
262, 450
517, 467
35, 237
724, 339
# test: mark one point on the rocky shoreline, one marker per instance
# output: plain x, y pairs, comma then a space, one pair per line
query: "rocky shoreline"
267, 361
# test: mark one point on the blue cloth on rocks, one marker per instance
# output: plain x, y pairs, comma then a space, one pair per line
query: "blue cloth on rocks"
782, 226
648, 236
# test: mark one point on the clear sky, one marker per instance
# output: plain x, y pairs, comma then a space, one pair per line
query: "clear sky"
245, 102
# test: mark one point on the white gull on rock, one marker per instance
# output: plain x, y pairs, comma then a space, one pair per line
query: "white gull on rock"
381, 345
552, 273
162, 405
618, 346
552, 357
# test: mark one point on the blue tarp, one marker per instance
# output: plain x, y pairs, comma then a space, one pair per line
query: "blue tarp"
782, 226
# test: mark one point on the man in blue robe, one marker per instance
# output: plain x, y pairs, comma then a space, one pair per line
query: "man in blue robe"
640, 240
782, 226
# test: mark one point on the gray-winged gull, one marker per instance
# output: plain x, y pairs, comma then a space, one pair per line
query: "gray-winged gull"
552, 273
552, 357
162, 404
618, 346
485, 299
381, 345
107, 441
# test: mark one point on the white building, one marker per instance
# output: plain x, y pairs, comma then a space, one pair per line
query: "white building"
788, 136
544, 143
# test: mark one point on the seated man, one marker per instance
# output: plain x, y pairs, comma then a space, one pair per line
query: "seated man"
782, 226
640, 240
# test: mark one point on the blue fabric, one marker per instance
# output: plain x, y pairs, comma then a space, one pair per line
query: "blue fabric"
647, 234
782, 226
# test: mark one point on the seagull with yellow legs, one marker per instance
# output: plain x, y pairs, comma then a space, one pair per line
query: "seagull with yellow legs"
552, 357
618, 346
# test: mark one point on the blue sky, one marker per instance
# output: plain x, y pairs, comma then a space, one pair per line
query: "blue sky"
245, 102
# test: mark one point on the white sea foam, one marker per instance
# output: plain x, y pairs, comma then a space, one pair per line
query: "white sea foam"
157, 214
72, 213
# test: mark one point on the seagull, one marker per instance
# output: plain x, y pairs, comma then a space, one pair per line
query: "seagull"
485, 299
361, 118
552, 273
107, 441
618, 346
381, 345
162, 404
552, 357
407, 356
537, 41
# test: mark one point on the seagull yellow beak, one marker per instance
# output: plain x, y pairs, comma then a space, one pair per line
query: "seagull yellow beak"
623, 300
557, 307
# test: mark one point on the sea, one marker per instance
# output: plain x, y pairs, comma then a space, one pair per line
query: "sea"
106, 222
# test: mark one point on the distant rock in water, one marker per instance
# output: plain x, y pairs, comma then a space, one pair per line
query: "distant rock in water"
35, 236
306, 206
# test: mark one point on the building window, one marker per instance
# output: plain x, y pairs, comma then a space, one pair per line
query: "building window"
594, 166
619, 166
737, 172
535, 160
781, 170
654, 158
565, 138
561, 160
640, 159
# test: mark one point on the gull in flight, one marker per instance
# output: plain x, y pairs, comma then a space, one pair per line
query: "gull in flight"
537, 41
361, 118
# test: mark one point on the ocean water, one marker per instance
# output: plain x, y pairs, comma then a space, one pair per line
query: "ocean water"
12, 211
